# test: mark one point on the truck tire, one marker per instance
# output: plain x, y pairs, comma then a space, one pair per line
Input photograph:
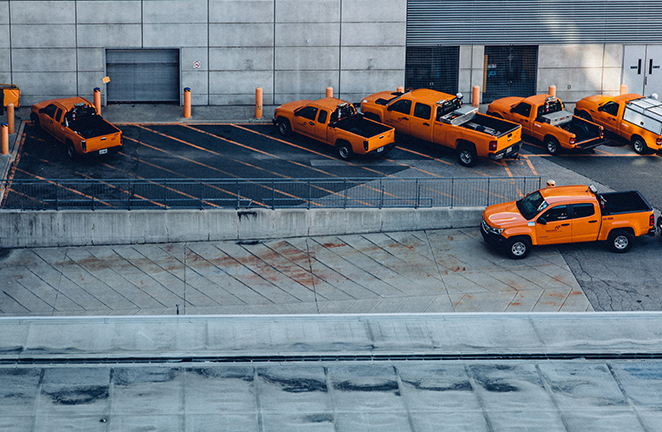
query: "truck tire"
466, 155
34, 118
344, 150
71, 150
518, 247
284, 127
620, 241
639, 145
552, 146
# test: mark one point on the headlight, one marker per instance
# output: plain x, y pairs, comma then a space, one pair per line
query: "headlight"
491, 230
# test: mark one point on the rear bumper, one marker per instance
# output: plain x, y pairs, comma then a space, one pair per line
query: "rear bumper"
508, 152
382, 150
590, 144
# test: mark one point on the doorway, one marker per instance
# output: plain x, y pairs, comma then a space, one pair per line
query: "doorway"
641, 69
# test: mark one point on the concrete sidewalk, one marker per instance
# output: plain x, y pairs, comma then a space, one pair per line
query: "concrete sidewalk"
449, 270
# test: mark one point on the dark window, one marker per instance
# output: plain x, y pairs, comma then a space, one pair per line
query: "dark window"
58, 115
510, 71
523, 109
583, 210
556, 213
322, 117
422, 111
307, 112
436, 68
50, 110
611, 108
402, 106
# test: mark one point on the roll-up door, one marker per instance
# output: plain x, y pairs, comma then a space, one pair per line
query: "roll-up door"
510, 71
143, 75
434, 67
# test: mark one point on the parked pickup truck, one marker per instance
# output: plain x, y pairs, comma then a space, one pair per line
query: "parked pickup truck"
76, 123
439, 118
567, 214
543, 117
632, 117
335, 122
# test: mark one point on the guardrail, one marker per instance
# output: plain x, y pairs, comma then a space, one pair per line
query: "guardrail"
59, 194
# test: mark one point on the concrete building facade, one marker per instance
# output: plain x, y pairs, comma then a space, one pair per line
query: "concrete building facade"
293, 49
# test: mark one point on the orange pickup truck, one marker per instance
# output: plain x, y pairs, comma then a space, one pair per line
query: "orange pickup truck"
335, 122
76, 123
632, 117
543, 117
567, 214
439, 118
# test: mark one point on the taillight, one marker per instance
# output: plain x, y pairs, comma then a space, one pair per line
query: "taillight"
572, 141
602, 133
659, 141
365, 145
493, 145
651, 220
83, 145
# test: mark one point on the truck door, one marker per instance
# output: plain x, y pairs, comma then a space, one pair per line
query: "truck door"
553, 226
304, 121
47, 117
607, 115
320, 125
521, 114
58, 128
421, 122
398, 114
585, 222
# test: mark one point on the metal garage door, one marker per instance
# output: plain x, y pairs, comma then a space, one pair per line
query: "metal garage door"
143, 75
510, 71
436, 68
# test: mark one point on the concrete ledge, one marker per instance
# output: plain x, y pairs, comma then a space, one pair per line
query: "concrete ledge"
105, 227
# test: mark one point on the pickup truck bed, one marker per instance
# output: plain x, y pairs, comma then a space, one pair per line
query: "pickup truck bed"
490, 125
92, 126
587, 133
358, 125
622, 202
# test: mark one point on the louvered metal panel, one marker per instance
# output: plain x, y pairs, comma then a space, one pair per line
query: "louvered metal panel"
143, 75
532, 22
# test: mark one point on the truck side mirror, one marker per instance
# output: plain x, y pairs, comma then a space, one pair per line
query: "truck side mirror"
542, 221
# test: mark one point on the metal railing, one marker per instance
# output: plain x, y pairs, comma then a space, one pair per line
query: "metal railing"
58, 194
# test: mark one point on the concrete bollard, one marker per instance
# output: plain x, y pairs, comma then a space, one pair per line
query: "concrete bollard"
552, 90
258, 102
97, 99
4, 140
329, 92
400, 89
624, 88
187, 102
475, 96
10, 118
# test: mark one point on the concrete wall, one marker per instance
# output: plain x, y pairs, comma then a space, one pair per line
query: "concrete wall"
76, 228
293, 49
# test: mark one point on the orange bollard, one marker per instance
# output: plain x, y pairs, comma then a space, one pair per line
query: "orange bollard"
10, 118
624, 88
97, 99
475, 96
258, 102
400, 89
329, 92
4, 145
552, 90
187, 102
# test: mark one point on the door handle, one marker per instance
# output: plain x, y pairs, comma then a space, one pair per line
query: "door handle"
566, 224
650, 67
311, 123
639, 67
593, 221
426, 124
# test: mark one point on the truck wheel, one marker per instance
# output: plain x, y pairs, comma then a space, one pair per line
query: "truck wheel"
552, 146
34, 118
284, 127
620, 241
466, 156
639, 145
344, 150
71, 150
518, 247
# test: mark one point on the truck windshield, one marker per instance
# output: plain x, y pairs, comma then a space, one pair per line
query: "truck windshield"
531, 205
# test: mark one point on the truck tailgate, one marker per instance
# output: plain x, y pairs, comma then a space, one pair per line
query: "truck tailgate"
103, 142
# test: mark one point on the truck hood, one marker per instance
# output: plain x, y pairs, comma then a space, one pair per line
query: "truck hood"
503, 215
291, 106
386, 95
504, 104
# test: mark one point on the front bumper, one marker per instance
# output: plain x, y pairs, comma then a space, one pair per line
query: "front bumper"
494, 240
508, 152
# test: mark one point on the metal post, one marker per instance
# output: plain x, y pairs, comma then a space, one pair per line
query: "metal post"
258, 103
418, 194
238, 194
488, 191
4, 146
97, 99
552, 90
187, 102
310, 194
10, 118
329, 92
381, 188
345, 192
452, 192
273, 194
475, 96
